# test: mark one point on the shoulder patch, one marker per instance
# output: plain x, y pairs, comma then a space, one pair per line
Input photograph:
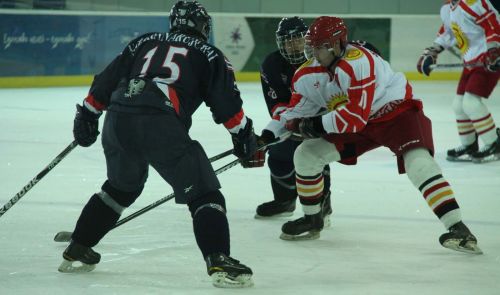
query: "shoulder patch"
353, 54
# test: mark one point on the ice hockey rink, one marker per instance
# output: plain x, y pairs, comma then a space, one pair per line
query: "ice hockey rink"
383, 238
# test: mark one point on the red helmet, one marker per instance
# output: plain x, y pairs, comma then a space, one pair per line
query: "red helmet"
326, 31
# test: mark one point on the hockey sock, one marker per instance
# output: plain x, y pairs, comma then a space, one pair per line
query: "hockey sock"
310, 191
425, 174
95, 221
466, 131
282, 179
480, 117
210, 225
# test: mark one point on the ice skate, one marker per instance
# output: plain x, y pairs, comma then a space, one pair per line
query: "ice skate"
275, 209
326, 209
83, 256
459, 238
227, 272
463, 153
489, 152
304, 228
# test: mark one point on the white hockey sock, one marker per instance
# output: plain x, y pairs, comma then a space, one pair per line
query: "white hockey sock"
480, 117
425, 174
466, 131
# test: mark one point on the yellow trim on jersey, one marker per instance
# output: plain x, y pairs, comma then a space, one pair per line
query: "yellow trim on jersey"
305, 64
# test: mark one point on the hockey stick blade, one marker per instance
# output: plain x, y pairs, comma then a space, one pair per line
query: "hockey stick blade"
65, 236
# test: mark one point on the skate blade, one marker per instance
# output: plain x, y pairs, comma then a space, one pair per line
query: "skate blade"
222, 280
469, 247
311, 235
490, 158
63, 236
69, 267
460, 159
284, 214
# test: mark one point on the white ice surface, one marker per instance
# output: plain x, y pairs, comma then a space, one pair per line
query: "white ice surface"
383, 239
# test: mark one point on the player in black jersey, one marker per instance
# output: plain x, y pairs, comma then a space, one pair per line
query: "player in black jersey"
276, 77
150, 91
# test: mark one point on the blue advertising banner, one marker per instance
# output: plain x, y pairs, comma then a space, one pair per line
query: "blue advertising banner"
57, 45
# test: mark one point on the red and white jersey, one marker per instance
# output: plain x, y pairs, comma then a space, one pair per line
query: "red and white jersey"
469, 25
362, 89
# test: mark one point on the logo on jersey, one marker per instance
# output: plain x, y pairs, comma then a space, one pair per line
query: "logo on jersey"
353, 54
470, 2
337, 101
462, 41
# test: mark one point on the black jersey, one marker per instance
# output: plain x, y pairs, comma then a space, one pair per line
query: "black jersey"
169, 70
276, 75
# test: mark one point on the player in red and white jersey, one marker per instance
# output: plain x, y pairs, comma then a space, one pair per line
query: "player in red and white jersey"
346, 101
474, 27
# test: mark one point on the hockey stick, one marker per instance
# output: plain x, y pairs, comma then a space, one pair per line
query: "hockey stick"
37, 178
65, 236
461, 65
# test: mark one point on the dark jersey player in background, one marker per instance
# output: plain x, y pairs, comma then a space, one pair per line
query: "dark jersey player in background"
276, 77
150, 91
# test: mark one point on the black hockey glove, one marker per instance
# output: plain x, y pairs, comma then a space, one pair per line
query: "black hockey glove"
245, 142
85, 126
306, 127
258, 159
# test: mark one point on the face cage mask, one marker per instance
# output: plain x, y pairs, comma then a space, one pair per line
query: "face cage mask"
295, 55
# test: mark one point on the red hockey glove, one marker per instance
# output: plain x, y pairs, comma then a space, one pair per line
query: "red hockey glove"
492, 59
306, 127
428, 58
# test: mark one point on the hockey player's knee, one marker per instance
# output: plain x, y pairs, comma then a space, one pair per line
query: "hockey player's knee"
279, 168
312, 155
420, 166
457, 105
473, 105
212, 200
116, 199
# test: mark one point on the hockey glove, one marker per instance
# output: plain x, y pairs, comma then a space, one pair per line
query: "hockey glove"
306, 127
492, 59
259, 158
428, 58
85, 126
245, 142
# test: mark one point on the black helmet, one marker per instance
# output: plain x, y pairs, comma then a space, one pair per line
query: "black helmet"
191, 18
290, 39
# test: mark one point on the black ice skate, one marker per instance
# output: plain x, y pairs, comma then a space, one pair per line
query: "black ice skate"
463, 153
275, 209
227, 272
489, 152
459, 238
79, 254
304, 228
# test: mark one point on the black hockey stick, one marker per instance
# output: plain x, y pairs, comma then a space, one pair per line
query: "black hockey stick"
457, 65
65, 236
37, 178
